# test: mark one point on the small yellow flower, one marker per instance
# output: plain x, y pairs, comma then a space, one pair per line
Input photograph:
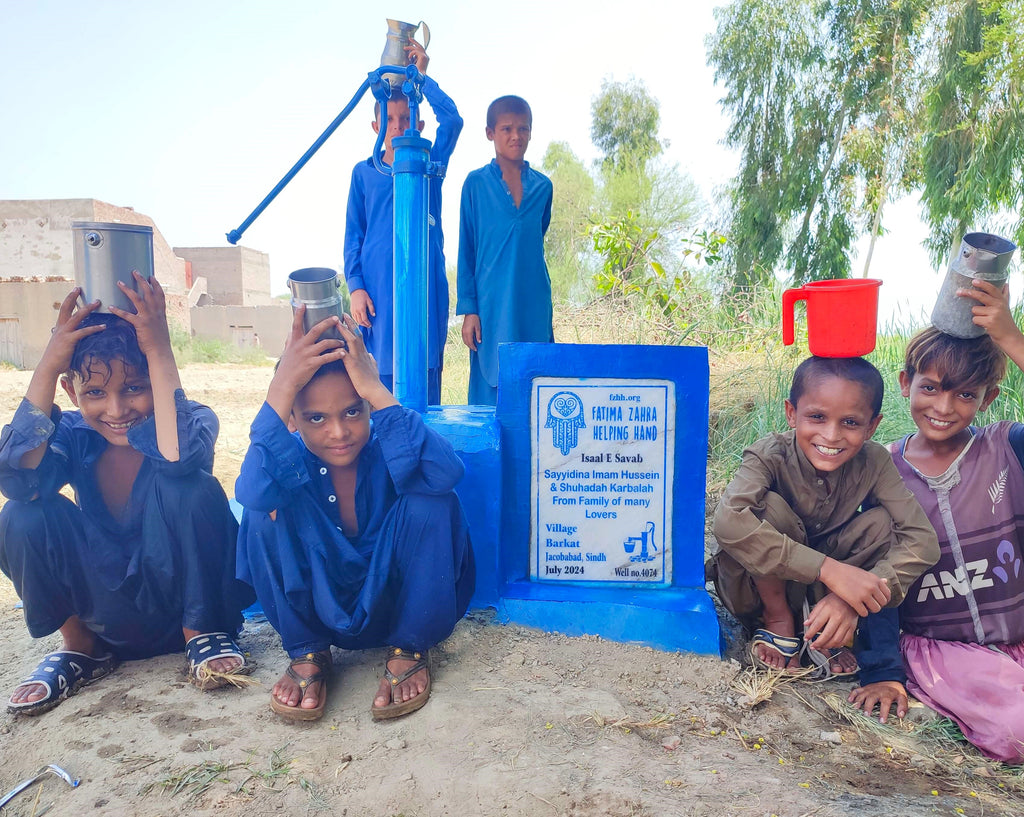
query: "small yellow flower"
805, 785
782, 762
935, 792
549, 726
714, 771
974, 794
757, 745
959, 811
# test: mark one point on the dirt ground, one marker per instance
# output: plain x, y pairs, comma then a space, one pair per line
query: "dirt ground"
521, 722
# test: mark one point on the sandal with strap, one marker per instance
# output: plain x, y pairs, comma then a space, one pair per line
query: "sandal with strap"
62, 673
323, 663
201, 649
395, 710
823, 660
786, 646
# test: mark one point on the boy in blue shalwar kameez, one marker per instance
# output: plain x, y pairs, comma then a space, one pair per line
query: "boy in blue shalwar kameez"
145, 561
370, 235
351, 534
503, 286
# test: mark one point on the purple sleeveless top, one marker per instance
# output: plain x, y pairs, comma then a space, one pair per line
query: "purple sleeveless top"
975, 592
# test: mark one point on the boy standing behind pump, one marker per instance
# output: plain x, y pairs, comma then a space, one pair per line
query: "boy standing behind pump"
503, 284
370, 234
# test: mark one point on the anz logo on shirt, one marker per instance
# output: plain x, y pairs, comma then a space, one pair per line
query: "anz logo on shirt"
946, 584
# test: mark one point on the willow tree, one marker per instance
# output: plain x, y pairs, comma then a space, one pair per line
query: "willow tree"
823, 99
973, 151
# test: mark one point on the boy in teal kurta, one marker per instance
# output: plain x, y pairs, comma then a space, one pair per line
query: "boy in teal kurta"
503, 286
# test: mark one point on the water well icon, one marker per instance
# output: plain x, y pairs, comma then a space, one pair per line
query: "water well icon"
565, 419
646, 542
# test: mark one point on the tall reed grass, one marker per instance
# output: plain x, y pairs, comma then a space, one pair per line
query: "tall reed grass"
751, 370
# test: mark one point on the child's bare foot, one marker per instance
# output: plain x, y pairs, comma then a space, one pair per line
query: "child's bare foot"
303, 685
843, 662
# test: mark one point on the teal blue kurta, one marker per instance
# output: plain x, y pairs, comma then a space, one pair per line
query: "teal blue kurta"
502, 275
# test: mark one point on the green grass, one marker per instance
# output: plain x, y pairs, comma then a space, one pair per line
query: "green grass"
202, 350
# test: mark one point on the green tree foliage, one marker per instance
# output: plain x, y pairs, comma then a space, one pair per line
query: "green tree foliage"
824, 98
567, 245
973, 150
838, 107
644, 206
624, 124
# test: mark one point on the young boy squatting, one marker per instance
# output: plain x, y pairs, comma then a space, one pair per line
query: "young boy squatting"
370, 235
145, 561
504, 289
819, 513
962, 647
352, 534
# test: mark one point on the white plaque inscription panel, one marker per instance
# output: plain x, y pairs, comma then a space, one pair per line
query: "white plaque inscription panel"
602, 455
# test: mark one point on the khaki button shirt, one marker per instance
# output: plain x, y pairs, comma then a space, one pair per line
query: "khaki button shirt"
824, 503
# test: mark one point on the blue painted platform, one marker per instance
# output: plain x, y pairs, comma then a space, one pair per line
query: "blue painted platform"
495, 445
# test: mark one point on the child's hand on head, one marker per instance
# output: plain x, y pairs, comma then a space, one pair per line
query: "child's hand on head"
831, 624
863, 591
362, 368
65, 335
150, 322
417, 55
993, 310
303, 354
882, 694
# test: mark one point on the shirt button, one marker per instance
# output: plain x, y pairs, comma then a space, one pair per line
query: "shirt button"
324, 471
333, 498
820, 481
816, 527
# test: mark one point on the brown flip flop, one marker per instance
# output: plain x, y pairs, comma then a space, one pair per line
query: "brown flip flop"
297, 713
395, 710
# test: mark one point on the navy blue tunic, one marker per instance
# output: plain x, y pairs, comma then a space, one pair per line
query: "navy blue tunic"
167, 563
406, 579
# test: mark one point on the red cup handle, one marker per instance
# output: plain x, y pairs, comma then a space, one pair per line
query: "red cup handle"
789, 299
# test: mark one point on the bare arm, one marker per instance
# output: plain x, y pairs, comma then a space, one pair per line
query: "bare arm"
994, 315
55, 361
151, 329
303, 355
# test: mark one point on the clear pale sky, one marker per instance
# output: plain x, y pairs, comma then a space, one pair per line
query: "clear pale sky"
191, 111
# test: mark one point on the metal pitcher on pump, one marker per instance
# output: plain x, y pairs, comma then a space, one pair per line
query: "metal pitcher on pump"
399, 35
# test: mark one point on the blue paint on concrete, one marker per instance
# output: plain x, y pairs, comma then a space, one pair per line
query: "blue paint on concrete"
495, 444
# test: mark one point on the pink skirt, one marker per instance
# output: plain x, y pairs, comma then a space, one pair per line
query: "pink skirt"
980, 687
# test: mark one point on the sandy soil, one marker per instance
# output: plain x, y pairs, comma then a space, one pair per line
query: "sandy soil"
521, 722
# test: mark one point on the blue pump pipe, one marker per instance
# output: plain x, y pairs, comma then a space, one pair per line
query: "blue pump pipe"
411, 171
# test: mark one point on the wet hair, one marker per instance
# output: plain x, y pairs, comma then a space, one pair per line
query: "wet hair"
508, 104
960, 362
854, 369
395, 95
118, 341
334, 367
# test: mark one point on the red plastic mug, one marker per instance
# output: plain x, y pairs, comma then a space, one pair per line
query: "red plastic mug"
842, 316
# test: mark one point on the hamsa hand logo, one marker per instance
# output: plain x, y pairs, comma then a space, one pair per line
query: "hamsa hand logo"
565, 419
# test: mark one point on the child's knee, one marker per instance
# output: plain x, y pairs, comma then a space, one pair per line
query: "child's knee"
428, 510
28, 525
196, 496
864, 539
780, 515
